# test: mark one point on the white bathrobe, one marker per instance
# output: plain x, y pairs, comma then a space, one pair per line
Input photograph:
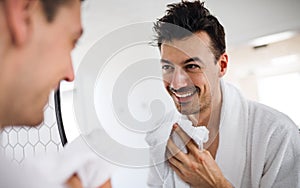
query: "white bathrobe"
258, 146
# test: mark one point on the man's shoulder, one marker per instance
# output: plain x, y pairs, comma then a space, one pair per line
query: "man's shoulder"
259, 112
266, 112
268, 118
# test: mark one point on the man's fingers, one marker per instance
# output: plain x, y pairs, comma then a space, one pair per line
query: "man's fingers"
184, 137
176, 163
74, 182
190, 144
176, 170
172, 148
176, 152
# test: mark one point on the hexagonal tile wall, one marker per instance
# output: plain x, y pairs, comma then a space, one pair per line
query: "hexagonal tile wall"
21, 142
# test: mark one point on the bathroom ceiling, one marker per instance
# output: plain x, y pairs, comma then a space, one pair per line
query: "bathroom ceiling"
243, 20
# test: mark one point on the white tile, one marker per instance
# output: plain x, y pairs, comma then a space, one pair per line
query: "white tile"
44, 133
33, 136
23, 137
12, 138
28, 151
39, 149
49, 116
19, 153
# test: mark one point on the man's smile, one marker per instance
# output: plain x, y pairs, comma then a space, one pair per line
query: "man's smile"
184, 95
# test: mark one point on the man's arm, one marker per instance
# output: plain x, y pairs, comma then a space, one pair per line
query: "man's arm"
282, 164
197, 168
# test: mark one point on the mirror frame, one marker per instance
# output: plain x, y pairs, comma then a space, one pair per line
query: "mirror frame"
58, 116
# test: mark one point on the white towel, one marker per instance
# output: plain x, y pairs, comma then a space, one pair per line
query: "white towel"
161, 174
77, 158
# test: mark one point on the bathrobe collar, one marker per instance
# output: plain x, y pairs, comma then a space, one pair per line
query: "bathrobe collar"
231, 153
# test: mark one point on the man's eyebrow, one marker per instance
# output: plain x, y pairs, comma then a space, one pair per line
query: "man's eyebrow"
193, 59
165, 61
184, 62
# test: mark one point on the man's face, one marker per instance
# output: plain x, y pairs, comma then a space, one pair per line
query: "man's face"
46, 60
190, 73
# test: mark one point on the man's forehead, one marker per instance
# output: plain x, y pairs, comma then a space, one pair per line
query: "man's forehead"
199, 40
196, 45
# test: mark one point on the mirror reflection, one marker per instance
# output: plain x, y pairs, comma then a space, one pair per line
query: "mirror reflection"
180, 94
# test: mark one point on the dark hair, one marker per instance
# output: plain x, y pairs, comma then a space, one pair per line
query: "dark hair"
51, 6
194, 17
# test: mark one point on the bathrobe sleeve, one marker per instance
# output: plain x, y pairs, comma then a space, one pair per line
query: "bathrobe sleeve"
282, 165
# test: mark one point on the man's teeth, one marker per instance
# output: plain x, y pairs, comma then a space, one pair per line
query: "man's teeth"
184, 94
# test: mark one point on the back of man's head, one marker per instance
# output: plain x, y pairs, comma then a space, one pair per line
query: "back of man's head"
51, 6
37, 37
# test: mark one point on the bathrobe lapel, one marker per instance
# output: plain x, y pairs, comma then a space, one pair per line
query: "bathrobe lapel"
231, 153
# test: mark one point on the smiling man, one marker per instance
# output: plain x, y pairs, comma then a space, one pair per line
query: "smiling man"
249, 145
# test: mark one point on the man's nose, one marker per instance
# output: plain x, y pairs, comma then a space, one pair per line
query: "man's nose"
179, 79
70, 75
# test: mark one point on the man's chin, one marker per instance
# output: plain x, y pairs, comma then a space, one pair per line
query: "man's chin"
24, 122
184, 111
187, 109
34, 120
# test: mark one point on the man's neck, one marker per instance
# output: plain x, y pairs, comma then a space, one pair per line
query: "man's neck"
200, 118
210, 118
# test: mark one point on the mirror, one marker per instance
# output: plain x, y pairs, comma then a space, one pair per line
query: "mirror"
111, 95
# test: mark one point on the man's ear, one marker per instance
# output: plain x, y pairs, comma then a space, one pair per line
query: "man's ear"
19, 18
223, 61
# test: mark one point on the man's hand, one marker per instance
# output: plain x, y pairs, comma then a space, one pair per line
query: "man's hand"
74, 182
197, 168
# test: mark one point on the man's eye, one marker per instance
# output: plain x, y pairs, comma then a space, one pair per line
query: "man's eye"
166, 67
192, 67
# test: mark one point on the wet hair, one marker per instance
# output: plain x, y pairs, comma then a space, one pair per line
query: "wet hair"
50, 7
193, 17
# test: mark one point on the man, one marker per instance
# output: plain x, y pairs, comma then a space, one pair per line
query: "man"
249, 145
36, 39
